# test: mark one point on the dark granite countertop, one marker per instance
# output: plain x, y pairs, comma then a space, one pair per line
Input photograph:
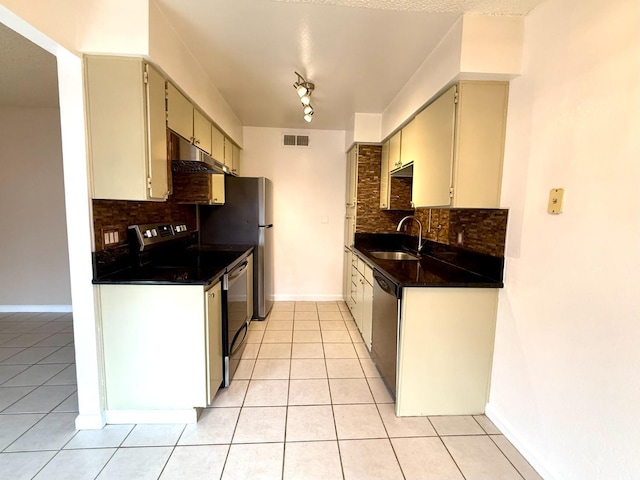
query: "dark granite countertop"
195, 265
439, 265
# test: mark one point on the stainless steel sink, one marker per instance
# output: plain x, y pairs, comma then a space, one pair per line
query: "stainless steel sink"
385, 255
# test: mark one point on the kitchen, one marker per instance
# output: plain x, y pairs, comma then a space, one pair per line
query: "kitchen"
523, 141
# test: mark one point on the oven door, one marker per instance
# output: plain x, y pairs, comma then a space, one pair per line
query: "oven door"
234, 318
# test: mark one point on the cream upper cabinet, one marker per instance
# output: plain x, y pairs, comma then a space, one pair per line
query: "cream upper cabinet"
201, 131
463, 143
235, 159
127, 129
228, 152
384, 177
390, 161
352, 177
217, 144
179, 113
409, 147
432, 174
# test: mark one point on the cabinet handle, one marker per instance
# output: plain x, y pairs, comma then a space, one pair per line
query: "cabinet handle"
212, 295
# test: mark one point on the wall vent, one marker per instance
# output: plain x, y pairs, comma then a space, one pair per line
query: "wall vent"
295, 140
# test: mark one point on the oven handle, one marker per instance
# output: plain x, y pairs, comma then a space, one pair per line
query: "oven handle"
234, 347
231, 277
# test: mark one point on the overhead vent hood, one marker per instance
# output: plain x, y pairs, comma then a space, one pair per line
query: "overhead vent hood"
187, 158
405, 171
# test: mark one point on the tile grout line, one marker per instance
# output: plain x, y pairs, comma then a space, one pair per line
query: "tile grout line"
504, 454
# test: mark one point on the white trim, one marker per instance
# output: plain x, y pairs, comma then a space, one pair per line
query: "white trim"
36, 308
530, 454
127, 417
91, 422
283, 297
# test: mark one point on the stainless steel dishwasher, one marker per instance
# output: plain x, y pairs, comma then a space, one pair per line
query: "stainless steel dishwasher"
384, 330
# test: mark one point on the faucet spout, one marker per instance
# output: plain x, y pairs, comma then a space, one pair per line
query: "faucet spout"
413, 217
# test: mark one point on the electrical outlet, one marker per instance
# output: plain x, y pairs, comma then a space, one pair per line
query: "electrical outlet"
110, 236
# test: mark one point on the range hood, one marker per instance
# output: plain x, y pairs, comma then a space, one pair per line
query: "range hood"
187, 158
405, 171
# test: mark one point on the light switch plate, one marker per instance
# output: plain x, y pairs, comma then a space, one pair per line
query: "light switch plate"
555, 200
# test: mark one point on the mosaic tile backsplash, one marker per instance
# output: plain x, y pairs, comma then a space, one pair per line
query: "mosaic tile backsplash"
119, 214
483, 230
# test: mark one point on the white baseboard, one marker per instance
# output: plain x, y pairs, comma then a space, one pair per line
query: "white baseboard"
285, 297
127, 417
36, 308
530, 454
91, 422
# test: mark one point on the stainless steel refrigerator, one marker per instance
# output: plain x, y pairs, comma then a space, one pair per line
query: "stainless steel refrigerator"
246, 218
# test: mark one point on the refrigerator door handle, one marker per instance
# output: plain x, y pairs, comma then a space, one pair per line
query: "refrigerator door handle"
270, 225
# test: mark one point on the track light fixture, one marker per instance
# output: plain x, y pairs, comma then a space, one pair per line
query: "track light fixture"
304, 90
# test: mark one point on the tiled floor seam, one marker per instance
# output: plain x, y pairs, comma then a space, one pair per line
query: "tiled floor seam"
505, 456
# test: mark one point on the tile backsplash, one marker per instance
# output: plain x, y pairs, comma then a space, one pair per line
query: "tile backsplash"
482, 230
119, 214
370, 219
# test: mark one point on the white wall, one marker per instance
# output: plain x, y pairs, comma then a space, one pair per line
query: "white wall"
168, 51
566, 384
34, 261
476, 47
309, 190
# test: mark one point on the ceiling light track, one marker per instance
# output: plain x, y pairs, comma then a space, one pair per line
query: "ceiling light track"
304, 90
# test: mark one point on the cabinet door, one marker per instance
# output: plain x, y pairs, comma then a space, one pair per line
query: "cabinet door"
409, 144
346, 275
201, 131
216, 190
394, 150
217, 144
213, 327
352, 178
235, 156
384, 177
480, 131
228, 153
367, 312
179, 113
157, 134
359, 301
432, 174
118, 126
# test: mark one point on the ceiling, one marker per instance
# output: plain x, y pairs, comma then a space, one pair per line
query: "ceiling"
359, 53
28, 77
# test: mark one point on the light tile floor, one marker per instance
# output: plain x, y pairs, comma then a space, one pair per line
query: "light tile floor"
306, 403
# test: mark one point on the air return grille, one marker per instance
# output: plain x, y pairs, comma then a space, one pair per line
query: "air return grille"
295, 140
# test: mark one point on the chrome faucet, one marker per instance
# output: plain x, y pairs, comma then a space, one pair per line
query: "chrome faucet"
413, 217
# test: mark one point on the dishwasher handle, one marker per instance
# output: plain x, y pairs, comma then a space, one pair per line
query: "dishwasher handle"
385, 284
229, 278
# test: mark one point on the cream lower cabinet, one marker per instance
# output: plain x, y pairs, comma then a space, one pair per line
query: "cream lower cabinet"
162, 350
346, 276
127, 129
360, 299
445, 349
